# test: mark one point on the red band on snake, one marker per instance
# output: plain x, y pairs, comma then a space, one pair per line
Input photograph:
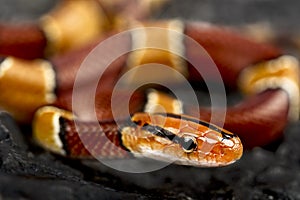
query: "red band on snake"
30, 44
55, 33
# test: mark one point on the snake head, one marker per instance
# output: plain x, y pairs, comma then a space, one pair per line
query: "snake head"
180, 139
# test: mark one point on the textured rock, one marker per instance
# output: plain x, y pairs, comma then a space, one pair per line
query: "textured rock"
260, 174
22, 172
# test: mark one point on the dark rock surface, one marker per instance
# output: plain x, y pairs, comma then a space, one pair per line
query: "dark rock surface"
28, 172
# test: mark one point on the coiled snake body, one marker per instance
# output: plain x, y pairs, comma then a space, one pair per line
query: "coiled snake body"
170, 137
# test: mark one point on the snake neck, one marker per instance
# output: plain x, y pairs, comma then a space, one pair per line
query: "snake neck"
91, 139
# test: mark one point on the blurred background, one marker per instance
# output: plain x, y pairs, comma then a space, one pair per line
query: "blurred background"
267, 20
282, 14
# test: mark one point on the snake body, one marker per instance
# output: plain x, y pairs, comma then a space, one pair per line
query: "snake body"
258, 120
170, 138
55, 33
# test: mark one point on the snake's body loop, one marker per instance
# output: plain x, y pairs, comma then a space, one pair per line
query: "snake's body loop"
257, 121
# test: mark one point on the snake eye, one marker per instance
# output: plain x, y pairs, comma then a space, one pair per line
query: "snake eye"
189, 144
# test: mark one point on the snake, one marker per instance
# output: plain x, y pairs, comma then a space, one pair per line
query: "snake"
261, 70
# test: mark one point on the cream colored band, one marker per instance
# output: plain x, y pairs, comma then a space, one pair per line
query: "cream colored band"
72, 24
282, 72
158, 43
158, 102
46, 128
25, 86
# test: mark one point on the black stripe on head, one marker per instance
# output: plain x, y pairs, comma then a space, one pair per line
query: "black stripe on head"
203, 123
186, 143
161, 132
62, 134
